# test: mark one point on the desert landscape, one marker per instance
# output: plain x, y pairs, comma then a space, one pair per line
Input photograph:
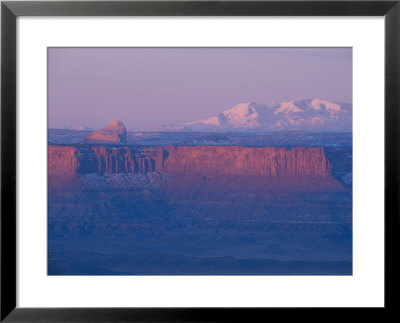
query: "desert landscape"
198, 202
200, 161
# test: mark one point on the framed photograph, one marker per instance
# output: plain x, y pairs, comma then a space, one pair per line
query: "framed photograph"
197, 161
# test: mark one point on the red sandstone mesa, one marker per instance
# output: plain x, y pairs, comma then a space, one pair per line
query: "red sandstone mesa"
203, 160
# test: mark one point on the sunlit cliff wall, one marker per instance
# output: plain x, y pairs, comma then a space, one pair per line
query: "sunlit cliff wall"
206, 160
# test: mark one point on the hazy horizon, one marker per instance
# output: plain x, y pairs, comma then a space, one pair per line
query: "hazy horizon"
147, 86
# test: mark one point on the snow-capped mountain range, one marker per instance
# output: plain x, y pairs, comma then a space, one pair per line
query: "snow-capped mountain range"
297, 115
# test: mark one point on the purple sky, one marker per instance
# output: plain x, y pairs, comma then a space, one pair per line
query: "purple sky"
147, 86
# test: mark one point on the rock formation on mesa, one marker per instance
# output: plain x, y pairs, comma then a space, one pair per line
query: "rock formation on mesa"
115, 131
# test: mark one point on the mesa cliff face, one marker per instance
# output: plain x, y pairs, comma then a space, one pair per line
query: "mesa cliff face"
249, 161
62, 160
203, 160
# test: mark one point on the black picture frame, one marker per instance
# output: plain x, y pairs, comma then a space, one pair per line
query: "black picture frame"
10, 10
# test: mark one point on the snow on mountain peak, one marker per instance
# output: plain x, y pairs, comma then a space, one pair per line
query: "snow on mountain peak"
241, 109
302, 114
243, 115
287, 107
329, 106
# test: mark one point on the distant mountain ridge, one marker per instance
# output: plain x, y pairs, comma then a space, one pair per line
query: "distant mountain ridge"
302, 114
77, 127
